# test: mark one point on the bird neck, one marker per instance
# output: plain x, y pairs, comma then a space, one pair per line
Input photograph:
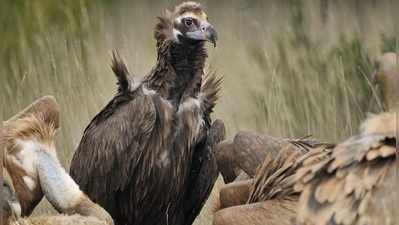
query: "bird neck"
63, 193
178, 71
58, 187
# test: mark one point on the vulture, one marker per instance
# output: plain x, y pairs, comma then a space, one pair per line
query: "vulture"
147, 157
19, 143
346, 184
351, 183
356, 183
30, 153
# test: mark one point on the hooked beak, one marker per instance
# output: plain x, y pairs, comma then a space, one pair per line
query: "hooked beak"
206, 33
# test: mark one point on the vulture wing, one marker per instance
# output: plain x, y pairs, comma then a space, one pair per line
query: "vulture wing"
275, 179
204, 172
353, 184
104, 163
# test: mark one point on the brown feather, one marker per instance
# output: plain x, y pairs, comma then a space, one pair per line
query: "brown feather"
45, 108
351, 185
125, 82
30, 127
210, 92
275, 179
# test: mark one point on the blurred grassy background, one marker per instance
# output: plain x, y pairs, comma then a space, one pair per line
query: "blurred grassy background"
290, 67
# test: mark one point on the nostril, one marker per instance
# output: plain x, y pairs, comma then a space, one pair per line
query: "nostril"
203, 28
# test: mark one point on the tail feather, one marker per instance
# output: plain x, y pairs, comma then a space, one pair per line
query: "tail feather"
121, 72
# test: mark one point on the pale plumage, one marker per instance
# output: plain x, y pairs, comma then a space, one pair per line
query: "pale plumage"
32, 170
356, 182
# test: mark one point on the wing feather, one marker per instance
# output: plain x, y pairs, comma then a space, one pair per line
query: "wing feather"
210, 92
125, 82
112, 150
345, 186
276, 176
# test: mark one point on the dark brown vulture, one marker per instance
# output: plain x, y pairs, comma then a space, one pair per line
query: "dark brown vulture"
147, 157
357, 184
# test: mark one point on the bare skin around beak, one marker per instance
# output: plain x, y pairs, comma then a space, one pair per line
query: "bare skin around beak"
206, 33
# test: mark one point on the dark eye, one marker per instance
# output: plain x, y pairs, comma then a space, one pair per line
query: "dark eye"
188, 22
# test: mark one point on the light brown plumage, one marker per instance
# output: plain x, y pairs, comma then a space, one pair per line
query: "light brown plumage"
350, 184
45, 107
33, 168
275, 178
34, 126
356, 182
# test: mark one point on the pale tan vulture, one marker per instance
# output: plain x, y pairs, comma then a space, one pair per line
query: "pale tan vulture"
272, 198
19, 143
32, 170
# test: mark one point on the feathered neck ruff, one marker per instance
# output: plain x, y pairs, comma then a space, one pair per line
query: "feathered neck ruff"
180, 64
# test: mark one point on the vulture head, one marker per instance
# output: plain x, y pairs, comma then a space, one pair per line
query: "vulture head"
187, 24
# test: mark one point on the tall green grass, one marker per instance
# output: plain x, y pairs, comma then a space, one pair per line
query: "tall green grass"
291, 68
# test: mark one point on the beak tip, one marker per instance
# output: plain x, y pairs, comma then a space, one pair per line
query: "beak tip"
214, 40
